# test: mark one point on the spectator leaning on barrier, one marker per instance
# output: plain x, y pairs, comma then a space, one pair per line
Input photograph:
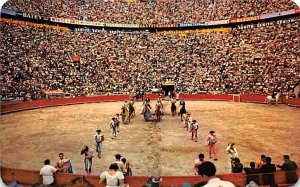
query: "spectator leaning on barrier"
290, 167
47, 173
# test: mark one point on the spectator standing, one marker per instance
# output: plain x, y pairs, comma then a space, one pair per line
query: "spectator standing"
290, 167
237, 166
268, 169
127, 166
252, 173
120, 163
212, 147
98, 139
47, 173
88, 158
198, 162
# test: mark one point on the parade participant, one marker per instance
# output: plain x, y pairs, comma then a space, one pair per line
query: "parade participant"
113, 127
173, 106
198, 162
47, 173
120, 163
128, 167
194, 129
118, 119
88, 158
290, 167
182, 108
147, 101
212, 147
161, 104
63, 164
98, 139
182, 102
125, 113
131, 109
185, 120
231, 155
189, 121
147, 111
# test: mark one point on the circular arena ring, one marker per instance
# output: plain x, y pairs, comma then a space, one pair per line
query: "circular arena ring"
164, 148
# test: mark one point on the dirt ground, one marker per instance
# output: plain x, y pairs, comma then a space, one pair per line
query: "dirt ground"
30, 137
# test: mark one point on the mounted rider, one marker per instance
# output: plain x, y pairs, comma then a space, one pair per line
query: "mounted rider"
125, 112
159, 104
131, 108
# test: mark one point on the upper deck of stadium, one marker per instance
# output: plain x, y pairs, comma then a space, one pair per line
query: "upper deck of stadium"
150, 12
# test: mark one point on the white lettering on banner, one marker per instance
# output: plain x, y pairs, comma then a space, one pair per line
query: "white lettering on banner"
270, 23
25, 15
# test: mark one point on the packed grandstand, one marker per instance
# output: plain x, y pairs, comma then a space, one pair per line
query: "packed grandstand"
150, 12
253, 59
107, 47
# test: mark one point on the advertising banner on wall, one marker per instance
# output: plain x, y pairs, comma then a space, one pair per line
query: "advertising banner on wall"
245, 19
219, 22
109, 31
30, 16
191, 24
276, 14
268, 23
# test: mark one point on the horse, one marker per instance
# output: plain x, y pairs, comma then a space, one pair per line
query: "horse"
131, 111
182, 111
270, 99
138, 95
158, 113
173, 108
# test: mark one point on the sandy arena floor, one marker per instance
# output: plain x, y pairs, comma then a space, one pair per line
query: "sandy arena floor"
30, 137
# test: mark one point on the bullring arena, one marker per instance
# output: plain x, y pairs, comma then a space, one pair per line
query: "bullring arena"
164, 148
67, 67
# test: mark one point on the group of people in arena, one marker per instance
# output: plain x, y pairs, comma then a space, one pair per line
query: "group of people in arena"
264, 166
118, 169
150, 12
257, 60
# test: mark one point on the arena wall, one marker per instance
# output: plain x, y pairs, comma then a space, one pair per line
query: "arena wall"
30, 177
15, 107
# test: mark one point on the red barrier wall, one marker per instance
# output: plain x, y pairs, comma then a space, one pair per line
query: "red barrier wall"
294, 102
7, 108
221, 97
29, 177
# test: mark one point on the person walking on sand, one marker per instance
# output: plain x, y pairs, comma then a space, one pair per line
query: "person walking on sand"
212, 147
98, 139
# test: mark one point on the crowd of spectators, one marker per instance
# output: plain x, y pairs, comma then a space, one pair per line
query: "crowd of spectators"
257, 60
150, 12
